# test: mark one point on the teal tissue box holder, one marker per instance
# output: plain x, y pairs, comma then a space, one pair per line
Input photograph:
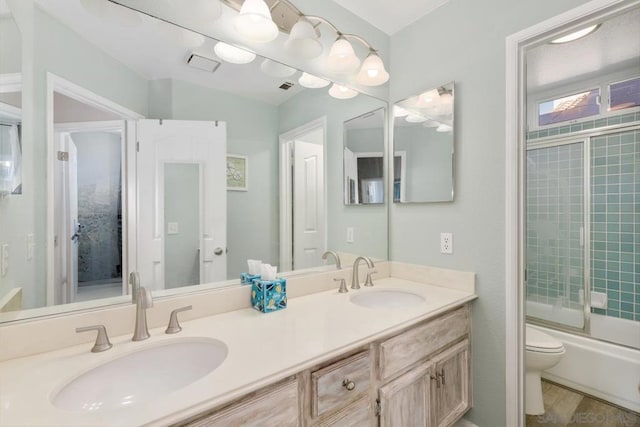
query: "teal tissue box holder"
269, 295
247, 279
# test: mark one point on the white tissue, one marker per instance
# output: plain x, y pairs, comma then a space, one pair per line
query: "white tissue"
268, 271
254, 266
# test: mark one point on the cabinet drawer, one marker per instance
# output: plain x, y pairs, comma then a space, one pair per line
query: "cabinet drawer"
330, 385
404, 350
361, 414
275, 406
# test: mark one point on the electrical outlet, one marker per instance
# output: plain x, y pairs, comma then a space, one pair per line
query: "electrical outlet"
446, 243
172, 228
30, 246
4, 259
349, 234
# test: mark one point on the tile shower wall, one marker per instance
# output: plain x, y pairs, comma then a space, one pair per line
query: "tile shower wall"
615, 222
555, 215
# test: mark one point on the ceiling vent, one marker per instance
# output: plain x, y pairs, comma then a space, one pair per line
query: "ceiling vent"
286, 86
203, 63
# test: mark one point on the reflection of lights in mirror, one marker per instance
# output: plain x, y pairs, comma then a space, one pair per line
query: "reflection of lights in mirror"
342, 92
233, 54
276, 69
576, 35
423, 146
312, 82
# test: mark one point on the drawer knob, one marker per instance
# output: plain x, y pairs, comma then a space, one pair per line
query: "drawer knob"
348, 384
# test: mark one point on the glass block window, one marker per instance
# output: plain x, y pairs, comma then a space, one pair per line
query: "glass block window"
572, 107
624, 94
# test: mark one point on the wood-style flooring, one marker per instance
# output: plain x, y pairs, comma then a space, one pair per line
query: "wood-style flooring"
569, 408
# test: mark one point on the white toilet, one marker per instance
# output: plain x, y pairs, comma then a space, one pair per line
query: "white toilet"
542, 352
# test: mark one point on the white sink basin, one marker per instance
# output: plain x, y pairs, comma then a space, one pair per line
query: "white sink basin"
386, 299
142, 375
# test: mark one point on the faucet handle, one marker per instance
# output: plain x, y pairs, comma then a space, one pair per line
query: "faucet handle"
343, 285
174, 327
102, 340
368, 282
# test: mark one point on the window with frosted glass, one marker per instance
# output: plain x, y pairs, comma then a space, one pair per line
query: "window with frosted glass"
624, 94
572, 107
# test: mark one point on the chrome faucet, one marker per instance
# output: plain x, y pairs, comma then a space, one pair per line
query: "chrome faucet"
144, 300
355, 281
335, 255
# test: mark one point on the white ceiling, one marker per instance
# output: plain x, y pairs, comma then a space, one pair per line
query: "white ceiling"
390, 16
156, 50
612, 47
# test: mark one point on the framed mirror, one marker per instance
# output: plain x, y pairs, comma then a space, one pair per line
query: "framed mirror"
423, 146
364, 159
119, 86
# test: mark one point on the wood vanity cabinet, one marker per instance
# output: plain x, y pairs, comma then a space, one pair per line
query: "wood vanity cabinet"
418, 377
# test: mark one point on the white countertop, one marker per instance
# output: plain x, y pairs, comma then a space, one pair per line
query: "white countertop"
262, 349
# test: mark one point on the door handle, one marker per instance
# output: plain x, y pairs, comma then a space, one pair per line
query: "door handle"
218, 251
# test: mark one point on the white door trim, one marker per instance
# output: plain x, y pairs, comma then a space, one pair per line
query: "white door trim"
72, 90
286, 196
514, 187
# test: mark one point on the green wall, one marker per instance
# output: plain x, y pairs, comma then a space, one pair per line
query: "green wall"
464, 41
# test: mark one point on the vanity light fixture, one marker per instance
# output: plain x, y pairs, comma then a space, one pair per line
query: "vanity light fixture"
254, 22
575, 35
304, 41
276, 69
342, 59
372, 72
342, 92
312, 82
399, 111
232, 54
416, 118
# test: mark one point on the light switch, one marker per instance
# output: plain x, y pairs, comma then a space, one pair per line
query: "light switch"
349, 234
172, 228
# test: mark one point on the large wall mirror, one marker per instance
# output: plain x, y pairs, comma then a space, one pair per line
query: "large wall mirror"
162, 151
423, 146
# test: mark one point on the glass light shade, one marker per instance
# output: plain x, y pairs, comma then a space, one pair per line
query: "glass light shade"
233, 54
415, 118
429, 96
303, 41
254, 22
342, 59
399, 111
276, 69
342, 92
372, 72
444, 128
312, 82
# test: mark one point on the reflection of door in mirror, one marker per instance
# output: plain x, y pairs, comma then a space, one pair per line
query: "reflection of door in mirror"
88, 198
363, 159
182, 224
302, 180
197, 148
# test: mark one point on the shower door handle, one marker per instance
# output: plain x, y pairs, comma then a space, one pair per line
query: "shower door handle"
581, 237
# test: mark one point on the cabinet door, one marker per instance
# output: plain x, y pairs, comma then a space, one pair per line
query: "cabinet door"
406, 400
451, 390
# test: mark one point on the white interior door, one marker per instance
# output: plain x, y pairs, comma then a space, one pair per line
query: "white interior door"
175, 142
308, 205
73, 226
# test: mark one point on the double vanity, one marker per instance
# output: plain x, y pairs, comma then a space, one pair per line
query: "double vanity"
378, 353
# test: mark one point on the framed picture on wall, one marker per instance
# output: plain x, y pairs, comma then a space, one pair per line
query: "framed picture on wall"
237, 172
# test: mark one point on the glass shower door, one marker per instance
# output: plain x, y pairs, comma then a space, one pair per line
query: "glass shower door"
555, 233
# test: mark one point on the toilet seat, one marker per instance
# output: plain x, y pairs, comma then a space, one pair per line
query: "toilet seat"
540, 342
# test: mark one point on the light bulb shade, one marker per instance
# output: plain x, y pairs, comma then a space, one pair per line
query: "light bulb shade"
444, 128
399, 111
342, 92
415, 118
303, 41
372, 72
342, 59
254, 22
312, 82
233, 54
276, 69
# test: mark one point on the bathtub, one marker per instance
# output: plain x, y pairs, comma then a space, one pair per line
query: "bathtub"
608, 371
